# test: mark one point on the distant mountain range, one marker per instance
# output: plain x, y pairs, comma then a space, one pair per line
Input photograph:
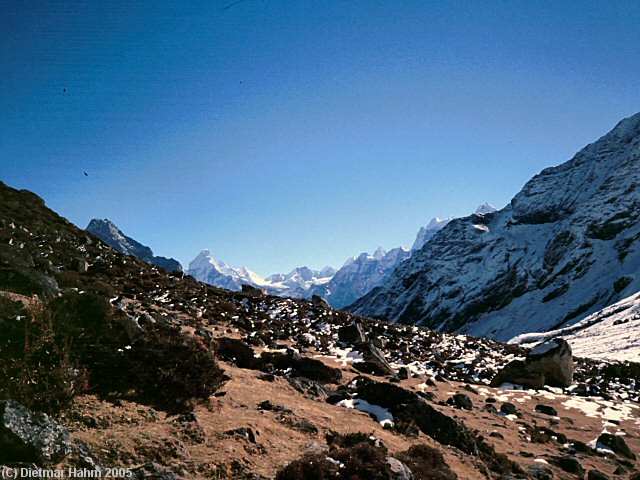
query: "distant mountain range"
341, 287
293, 284
357, 276
566, 246
106, 231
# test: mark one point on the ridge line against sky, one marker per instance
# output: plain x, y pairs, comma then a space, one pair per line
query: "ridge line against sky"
280, 134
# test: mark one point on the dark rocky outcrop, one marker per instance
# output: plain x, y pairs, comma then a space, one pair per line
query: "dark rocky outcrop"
31, 437
253, 292
411, 410
319, 301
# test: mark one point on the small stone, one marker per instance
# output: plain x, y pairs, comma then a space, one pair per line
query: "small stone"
508, 408
596, 475
546, 409
460, 400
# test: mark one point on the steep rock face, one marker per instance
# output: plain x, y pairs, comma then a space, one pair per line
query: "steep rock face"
566, 246
106, 231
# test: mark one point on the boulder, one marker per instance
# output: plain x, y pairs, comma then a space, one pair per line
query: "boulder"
399, 470
546, 409
516, 372
617, 444
319, 301
596, 475
30, 437
508, 408
554, 360
82, 266
251, 291
353, 334
568, 464
373, 361
460, 400
550, 363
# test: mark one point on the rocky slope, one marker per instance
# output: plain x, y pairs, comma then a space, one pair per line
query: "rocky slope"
565, 247
106, 231
308, 390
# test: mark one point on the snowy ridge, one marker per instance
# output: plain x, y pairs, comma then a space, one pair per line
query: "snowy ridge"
565, 247
613, 333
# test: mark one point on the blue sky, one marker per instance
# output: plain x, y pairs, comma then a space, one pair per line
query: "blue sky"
284, 133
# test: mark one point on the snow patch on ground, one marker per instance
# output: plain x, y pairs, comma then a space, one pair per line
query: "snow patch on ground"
383, 415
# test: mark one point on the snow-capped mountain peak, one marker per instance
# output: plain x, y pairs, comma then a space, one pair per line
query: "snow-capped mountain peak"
485, 208
379, 253
296, 283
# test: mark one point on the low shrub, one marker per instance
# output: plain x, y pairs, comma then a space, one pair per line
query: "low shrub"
158, 366
426, 463
36, 369
78, 343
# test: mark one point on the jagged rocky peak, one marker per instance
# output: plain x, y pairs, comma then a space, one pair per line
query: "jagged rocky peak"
566, 246
426, 233
107, 231
485, 208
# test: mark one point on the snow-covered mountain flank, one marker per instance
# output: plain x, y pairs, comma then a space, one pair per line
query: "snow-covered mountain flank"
612, 333
106, 231
566, 246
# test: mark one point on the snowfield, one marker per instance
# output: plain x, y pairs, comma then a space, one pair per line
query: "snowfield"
613, 333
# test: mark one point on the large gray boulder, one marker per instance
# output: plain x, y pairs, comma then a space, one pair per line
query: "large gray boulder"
550, 363
554, 360
31, 437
